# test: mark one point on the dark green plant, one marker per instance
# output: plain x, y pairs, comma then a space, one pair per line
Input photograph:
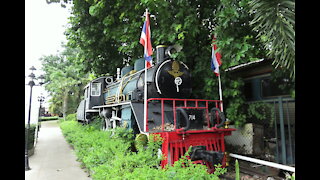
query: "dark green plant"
31, 135
275, 22
97, 122
261, 111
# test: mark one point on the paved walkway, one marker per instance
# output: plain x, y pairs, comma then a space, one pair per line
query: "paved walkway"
53, 158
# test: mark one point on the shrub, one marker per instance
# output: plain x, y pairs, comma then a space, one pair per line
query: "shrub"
48, 118
31, 135
71, 117
108, 155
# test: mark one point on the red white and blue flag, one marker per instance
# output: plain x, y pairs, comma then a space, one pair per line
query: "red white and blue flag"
145, 40
215, 60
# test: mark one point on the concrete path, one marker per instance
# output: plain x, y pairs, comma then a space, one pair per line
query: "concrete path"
53, 158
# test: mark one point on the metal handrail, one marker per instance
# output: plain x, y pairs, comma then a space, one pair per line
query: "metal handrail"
174, 107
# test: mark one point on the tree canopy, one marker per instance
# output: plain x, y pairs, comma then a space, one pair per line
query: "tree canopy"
64, 80
106, 35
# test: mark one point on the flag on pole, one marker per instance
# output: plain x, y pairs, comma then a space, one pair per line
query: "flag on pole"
215, 64
145, 40
215, 60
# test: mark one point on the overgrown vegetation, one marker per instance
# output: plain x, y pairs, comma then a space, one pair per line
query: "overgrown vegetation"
113, 157
103, 35
261, 111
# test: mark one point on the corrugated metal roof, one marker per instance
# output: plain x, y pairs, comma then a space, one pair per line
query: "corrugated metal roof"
245, 65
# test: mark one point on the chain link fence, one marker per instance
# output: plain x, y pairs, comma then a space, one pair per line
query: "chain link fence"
269, 133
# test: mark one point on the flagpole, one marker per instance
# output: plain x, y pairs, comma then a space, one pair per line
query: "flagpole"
145, 90
215, 63
220, 92
145, 97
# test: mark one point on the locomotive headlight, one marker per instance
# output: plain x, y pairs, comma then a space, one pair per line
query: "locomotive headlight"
109, 80
178, 82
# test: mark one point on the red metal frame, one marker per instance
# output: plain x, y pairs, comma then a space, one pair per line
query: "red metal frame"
174, 107
177, 142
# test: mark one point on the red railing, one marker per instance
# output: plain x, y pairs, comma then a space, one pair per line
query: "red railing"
185, 106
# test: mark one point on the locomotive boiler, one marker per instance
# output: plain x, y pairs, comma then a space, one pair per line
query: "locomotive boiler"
180, 121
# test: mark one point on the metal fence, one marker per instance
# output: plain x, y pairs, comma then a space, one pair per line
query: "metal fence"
271, 139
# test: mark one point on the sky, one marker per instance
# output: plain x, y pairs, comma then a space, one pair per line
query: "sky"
44, 28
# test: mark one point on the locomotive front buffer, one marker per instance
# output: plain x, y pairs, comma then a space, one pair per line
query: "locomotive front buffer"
185, 123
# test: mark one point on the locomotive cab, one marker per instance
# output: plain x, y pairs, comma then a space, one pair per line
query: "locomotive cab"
93, 96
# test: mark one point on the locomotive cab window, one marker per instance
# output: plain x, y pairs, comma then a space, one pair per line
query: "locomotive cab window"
95, 89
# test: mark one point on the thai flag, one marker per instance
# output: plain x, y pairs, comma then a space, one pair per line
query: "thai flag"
215, 61
145, 40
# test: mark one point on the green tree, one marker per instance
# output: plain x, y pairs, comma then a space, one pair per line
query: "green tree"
64, 81
106, 32
275, 22
237, 44
107, 35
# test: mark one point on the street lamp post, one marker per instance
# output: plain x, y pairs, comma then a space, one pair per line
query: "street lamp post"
41, 100
31, 84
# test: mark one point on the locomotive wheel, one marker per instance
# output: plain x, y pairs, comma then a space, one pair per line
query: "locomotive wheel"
185, 116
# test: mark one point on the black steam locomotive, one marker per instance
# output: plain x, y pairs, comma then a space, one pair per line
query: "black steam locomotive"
180, 121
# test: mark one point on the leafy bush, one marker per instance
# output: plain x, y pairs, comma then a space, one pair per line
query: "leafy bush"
108, 156
31, 135
261, 111
48, 118
71, 117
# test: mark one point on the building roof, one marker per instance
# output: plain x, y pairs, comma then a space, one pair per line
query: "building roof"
260, 66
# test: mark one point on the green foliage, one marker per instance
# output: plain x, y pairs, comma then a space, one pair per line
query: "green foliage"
275, 22
48, 118
261, 111
71, 117
237, 170
235, 101
236, 42
106, 35
31, 135
290, 177
64, 79
97, 122
110, 157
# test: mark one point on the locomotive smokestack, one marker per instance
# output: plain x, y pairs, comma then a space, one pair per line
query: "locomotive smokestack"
161, 53
164, 51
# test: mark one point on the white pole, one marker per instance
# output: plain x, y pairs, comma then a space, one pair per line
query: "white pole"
145, 90
145, 96
266, 163
220, 92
